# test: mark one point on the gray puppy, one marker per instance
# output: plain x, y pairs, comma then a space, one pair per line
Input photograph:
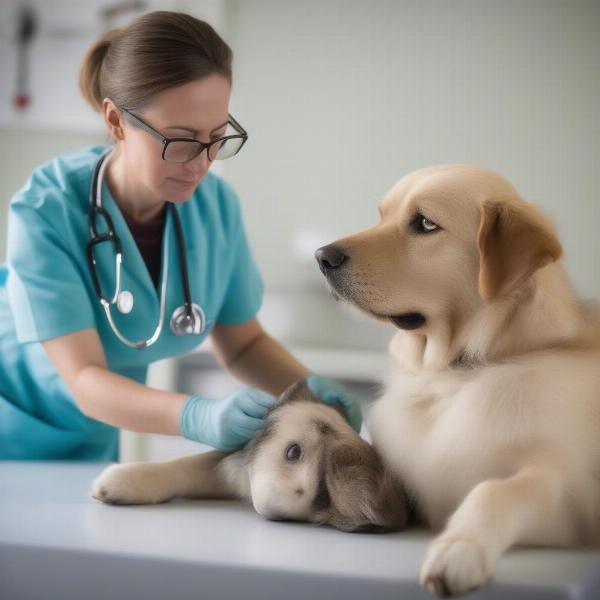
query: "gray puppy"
305, 464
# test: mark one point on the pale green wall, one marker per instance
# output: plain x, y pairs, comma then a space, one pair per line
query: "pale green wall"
342, 98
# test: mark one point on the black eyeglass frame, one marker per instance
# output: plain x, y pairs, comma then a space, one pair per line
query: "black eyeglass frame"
242, 134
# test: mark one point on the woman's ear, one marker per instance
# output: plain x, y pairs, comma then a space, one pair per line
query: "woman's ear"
515, 239
112, 118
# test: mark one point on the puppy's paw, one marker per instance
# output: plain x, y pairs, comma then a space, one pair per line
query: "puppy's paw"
454, 565
137, 483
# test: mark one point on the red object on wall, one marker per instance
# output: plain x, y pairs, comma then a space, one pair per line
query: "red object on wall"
21, 101
26, 29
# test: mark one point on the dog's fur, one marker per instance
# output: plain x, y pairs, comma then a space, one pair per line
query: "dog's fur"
336, 478
491, 414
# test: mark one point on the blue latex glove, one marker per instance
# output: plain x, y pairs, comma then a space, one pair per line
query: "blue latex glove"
225, 424
332, 392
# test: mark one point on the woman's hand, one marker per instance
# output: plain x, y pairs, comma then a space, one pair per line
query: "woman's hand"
225, 424
332, 392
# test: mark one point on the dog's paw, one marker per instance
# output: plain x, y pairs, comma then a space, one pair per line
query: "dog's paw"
130, 484
454, 565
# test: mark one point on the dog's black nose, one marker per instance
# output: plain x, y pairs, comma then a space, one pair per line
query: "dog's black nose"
329, 257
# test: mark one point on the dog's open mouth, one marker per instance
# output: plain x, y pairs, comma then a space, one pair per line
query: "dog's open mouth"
407, 321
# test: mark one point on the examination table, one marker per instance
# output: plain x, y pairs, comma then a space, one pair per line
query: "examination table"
57, 542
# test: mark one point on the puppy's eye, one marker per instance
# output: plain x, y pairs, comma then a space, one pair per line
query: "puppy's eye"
293, 452
421, 224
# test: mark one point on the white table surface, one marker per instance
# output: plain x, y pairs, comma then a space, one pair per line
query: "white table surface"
57, 542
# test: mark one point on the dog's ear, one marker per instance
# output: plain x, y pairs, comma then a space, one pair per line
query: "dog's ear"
364, 496
297, 391
300, 392
515, 240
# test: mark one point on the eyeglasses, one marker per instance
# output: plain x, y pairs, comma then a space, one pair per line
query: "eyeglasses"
181, 150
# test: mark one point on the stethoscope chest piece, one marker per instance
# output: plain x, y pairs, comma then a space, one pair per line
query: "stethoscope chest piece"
125, 302
184, 322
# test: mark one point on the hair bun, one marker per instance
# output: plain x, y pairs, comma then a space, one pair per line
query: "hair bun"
89, 72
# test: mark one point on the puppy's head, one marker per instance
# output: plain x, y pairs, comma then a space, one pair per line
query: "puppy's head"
449, 238
308, 464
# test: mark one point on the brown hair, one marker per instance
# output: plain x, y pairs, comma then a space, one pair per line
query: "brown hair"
156, 51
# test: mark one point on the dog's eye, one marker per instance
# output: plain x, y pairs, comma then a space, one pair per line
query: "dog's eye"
421, 224
293, 453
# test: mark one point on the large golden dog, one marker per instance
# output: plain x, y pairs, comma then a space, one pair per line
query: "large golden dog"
491, 414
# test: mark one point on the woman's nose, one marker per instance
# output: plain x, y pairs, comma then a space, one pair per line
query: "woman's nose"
198, 165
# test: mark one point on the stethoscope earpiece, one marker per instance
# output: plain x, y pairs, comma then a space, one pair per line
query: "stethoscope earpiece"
187, 319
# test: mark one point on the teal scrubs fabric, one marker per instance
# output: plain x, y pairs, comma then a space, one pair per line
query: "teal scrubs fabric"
46, 291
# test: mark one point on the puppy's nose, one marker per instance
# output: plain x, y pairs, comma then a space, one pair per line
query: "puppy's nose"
329, 258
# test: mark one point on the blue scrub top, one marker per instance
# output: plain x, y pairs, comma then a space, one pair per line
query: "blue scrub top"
46, 291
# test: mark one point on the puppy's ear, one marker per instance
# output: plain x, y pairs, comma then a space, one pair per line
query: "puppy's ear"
515, 240
297, 391
364, 495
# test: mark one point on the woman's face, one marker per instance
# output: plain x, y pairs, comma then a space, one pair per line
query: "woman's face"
198, 109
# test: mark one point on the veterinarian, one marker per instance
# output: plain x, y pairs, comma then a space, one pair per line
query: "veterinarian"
124, 254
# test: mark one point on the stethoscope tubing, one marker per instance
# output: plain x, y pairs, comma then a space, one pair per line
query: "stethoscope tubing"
189, 313
141, 344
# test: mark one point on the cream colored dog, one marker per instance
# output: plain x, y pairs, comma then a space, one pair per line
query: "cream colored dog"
491, 414
305, 464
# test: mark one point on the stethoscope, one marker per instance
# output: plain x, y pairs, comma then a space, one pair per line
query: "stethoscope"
187, 319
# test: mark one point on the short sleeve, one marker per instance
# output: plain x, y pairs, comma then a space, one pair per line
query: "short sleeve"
244, 290
46, 288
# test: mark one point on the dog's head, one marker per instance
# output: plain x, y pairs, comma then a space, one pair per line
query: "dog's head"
308, 464
450, 239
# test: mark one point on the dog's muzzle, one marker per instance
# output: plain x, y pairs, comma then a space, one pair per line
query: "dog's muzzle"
330, 259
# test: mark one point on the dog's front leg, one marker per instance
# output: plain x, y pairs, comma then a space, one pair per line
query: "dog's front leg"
197, 476
531, 508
